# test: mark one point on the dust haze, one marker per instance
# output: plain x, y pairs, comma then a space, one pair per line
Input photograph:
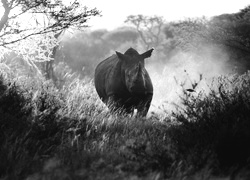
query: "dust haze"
181, 71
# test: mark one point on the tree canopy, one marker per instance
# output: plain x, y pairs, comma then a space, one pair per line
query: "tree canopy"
30, 31
40, 17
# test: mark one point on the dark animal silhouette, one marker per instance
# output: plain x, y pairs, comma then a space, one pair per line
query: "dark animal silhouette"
123, 83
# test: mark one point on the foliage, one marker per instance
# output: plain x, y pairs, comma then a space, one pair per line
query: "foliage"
83, 51
56, 16
118, 36
189, 33
55, 133
222, 39
233, 29
215, 126
36, 41
31, 54
149, 29
27, 126
226, 31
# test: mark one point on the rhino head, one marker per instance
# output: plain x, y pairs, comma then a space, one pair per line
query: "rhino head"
133, 70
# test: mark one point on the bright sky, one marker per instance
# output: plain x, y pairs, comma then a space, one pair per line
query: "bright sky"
114, 12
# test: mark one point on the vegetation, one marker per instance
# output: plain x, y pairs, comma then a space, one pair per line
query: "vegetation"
57, 134
36, 41
222, 39
54, 15
59, 129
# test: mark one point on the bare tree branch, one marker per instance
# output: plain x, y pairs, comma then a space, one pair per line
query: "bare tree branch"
58, 17
148, 28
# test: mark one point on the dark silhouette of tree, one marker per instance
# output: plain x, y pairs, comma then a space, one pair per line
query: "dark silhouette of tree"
227, 32
233, 30
189, 34
97, 34
84, 50
149, 28
120, 36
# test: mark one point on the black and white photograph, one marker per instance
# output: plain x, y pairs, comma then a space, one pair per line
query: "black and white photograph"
124, 90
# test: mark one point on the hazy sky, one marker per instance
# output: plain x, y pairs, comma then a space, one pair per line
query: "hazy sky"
115, 11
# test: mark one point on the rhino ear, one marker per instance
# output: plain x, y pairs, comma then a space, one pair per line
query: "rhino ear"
147, 54
120, 56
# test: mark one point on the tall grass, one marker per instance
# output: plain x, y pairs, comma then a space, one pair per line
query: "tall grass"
51, 133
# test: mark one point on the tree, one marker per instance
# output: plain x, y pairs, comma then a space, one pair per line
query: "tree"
226, 33
149, 29
233, 30
190, 34
36, 40
120, 36
47, 66
45, 15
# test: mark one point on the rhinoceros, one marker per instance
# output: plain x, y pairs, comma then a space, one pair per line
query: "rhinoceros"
123, 83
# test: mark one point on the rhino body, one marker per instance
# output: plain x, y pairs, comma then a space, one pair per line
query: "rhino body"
123, 83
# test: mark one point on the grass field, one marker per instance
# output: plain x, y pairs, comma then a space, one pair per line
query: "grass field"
67, 133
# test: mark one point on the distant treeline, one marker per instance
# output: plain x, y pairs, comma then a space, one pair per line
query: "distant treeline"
84, 50
223, 35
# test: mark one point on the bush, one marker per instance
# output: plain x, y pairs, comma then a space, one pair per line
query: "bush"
46, 131
28, 126
215, 128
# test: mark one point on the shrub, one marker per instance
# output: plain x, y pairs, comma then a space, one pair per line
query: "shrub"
28, 125
215, 128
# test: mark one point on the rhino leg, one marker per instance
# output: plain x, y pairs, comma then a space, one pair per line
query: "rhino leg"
116, 106
112, 104
143, 107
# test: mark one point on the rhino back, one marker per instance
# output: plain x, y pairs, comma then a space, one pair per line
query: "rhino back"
108, 78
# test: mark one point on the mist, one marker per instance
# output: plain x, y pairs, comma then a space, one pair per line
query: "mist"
182, 71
